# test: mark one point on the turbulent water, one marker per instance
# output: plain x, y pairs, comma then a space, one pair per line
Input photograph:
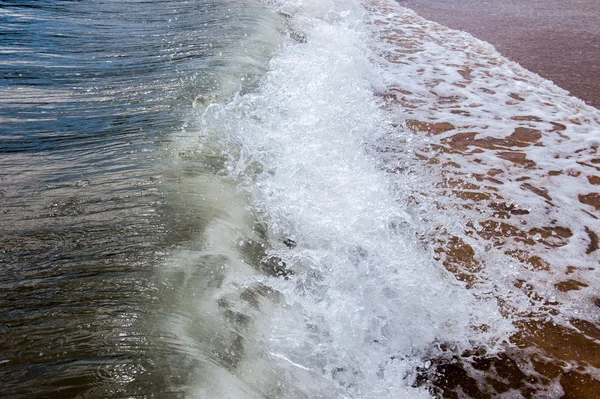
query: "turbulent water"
288, 199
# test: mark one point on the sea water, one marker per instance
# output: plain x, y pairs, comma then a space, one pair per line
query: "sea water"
288, 199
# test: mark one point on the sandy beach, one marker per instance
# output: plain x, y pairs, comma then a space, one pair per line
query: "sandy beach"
520, 160
559, 40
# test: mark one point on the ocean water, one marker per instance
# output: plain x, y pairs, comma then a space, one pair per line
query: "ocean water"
288, 199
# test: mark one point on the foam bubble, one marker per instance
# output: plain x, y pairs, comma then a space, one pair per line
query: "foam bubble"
366, 302
404, 172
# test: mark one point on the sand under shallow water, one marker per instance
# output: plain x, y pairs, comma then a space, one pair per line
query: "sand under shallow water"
560, 40
520, 159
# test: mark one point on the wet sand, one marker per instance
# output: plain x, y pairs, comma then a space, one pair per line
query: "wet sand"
505, 146
559, 40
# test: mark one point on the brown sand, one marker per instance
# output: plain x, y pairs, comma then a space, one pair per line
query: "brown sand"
545, 359
558, 39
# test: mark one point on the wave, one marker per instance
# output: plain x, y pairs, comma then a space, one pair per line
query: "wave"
413, 215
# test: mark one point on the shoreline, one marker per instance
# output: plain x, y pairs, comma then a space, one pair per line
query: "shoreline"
559, 41
518, 158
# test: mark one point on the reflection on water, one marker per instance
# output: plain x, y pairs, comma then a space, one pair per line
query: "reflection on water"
90, 91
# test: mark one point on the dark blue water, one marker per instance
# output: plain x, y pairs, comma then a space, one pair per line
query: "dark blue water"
90, 91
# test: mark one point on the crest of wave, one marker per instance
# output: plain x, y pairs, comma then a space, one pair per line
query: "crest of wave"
365, 304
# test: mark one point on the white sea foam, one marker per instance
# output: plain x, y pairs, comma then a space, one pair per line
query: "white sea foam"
367, 301
515, 159
441, 75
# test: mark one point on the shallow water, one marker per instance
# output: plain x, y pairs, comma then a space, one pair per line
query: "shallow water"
290, 199
556, 39
91, 92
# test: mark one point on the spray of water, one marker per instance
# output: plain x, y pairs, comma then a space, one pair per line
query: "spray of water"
364, 303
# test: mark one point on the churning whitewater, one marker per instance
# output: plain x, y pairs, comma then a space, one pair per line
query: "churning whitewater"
361, 304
